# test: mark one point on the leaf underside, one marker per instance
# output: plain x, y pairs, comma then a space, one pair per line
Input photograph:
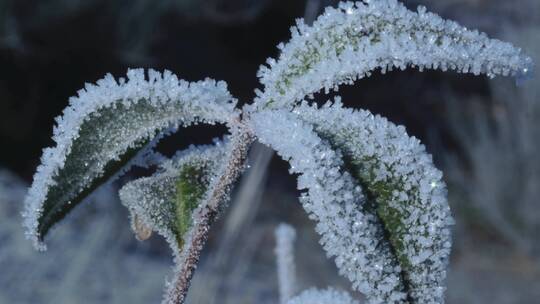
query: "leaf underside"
349, 231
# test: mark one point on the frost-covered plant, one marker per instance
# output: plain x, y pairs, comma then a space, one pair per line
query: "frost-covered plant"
35, 277
378, 201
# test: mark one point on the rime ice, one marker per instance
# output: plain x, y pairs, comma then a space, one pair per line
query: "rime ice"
378, 201
349, 233
104, 122
349, 42
152, 199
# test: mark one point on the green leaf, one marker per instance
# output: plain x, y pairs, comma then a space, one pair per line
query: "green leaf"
105, 129
165, 201
403, 186
350, 42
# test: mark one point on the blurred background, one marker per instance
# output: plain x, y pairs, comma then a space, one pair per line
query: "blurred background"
484, 134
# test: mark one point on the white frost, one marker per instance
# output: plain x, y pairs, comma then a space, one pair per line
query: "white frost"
348, 43
383, 154
205, 101
333, 198
152, 198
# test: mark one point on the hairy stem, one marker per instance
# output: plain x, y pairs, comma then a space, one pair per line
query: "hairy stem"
241, 140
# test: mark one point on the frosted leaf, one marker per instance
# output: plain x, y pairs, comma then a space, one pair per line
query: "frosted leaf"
166, 201
348, 43
410, 197
350, 231
327, 296
105, 126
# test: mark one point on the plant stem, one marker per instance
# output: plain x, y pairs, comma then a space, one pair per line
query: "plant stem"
241, 140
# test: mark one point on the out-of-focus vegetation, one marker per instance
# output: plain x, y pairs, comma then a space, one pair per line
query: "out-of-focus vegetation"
93, 260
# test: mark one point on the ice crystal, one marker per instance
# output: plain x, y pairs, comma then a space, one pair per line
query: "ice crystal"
104, 126
349, 231
349, 42
378, 202
408, 219
410, 197
164, 202
170, 200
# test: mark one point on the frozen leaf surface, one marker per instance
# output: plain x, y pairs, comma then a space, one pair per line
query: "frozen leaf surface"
380, 203
165, 201
350, 231
349, 42
176, 202
108, 124
407, 191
